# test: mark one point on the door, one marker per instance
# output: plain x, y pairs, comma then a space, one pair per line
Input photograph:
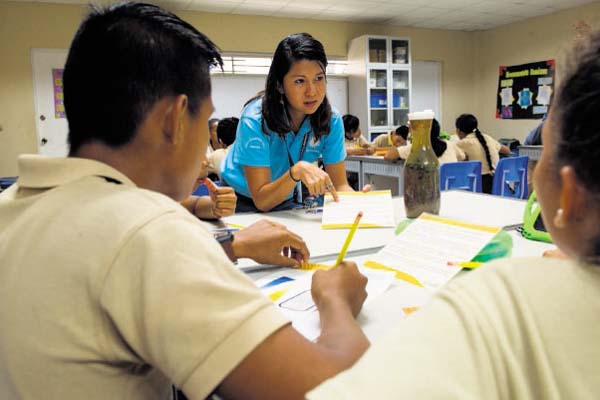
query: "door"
427, 87
50, 120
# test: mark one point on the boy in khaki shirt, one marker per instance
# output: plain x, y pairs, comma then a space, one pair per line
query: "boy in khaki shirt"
108, 287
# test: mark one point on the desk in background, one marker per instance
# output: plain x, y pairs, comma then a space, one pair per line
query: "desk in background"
367, 166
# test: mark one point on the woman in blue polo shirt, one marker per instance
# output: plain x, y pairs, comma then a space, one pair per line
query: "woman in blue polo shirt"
284, 131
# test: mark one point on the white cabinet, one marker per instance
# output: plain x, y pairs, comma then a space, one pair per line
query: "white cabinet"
379, 83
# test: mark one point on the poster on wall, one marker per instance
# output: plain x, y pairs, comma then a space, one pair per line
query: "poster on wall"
524, 91
57, 84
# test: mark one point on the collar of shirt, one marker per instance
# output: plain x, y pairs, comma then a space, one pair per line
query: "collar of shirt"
38, 172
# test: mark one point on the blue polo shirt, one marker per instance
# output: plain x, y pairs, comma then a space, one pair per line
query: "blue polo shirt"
254, 148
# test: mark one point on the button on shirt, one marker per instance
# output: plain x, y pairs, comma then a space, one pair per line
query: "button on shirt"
254, 148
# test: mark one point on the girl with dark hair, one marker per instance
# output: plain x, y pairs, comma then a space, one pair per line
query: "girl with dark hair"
479, 147
282, 133
444, 150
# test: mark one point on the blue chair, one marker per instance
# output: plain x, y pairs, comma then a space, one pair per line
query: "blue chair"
464, 175
5, 182
510, 177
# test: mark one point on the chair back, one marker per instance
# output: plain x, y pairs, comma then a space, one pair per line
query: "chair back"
202, 189
464, 175
510, 177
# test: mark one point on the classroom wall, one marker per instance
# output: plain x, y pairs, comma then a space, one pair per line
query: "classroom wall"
536, 39
38, 25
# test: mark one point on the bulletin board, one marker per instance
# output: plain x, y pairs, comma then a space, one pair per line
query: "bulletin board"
525, 91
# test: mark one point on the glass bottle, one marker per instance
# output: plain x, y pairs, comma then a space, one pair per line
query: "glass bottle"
421, 169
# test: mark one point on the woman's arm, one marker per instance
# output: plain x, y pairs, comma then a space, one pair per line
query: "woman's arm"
267, 194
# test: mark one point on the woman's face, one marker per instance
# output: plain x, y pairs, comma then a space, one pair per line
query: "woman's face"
304, 87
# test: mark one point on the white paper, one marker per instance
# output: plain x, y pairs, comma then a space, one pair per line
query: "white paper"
425, 247
377, 208
297, 303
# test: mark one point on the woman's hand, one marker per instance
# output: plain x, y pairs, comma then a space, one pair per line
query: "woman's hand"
316, 180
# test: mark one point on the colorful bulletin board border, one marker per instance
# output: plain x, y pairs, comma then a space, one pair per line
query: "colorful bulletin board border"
57, 84
525, 91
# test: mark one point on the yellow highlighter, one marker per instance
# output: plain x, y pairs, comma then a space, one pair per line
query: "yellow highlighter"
342, 254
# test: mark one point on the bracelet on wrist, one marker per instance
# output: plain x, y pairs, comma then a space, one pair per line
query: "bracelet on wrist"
292, 176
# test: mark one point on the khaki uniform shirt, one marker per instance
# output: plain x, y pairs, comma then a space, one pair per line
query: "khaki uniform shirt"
475, 152
109, 291
514, 329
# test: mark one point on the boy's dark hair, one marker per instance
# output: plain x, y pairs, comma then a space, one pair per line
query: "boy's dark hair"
226, 130
351, 123
467, 123
123, 59
402, 131
296, 47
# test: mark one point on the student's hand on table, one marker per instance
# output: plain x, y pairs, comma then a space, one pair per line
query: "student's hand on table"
342, 283
366, 188
316, 180
223, 199
268, 242
370, 150
555, 253
392, 154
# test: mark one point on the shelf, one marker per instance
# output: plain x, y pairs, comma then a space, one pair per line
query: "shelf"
400, 88
401, 108
378, 88
378, 108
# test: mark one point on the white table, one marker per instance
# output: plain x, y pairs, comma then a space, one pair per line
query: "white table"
381, 314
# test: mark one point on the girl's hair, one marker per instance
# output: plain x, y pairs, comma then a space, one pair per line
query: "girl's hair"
437, 143
350, 123
296, 47
402, 131
467, 123
575, 115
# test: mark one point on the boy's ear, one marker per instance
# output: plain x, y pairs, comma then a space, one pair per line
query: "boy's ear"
174, 122
572, 202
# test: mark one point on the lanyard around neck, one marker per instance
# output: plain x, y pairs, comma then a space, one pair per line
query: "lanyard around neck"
302, 149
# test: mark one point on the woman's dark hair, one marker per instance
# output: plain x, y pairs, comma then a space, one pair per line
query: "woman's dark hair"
350, 123
296, 47
437, 143
402, 131
123, 59
467, 123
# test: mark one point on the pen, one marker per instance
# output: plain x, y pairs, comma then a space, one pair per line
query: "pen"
465, 264
348, 240
219, 230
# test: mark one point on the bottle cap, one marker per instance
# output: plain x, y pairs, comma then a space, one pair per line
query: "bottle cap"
427, 114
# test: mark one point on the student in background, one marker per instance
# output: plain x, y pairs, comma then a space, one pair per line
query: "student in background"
226, 131
395, 138
479, 147
356, 144
283, 132
515, 328
444, 150
213, 143
109, 288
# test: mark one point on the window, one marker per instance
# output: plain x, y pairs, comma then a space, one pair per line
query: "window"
244, 64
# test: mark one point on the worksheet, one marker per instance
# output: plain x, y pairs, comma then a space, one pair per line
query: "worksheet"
422, 252
377, 208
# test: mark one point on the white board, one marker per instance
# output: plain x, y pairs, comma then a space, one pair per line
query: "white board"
230, 92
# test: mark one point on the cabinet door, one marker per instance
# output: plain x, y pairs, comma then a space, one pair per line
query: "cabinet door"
399, 52
378, 97
400, 97
378, 50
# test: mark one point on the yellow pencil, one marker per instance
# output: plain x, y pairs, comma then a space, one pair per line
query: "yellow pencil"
466, 264
348, 240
